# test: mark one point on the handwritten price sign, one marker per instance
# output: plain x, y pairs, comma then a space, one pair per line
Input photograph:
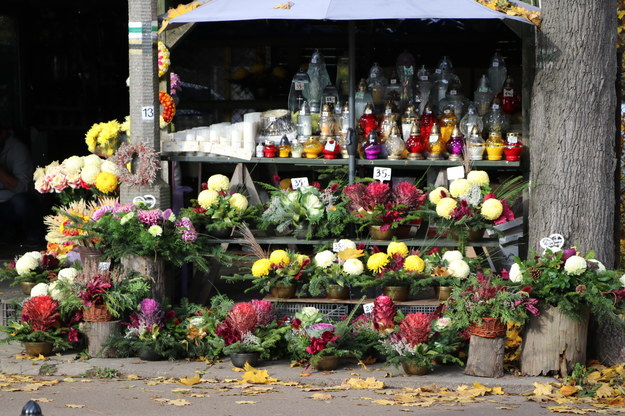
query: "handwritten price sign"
381, 174
297, 183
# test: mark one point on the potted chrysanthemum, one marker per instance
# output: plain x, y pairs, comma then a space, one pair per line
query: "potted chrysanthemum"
30, 269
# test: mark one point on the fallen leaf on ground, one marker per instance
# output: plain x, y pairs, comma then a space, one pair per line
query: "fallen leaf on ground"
303, 374
173, 402
568, 390
245, 402
75, 406
132, 377
504, 408
181, 391
190, 381
542, 389
321, 396
254, 376
69, 380
368, 383
498, 391
604, 391
41, 400
238, 370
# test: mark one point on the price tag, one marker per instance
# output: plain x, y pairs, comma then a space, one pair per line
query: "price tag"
495, 106
482, 89
168, 146
104, 266
381, 174
331, 99
513, 139
374, 75
409, 70
297, 183
336, 247
438, 71
393, 81
188, 146
299, 86
456, 172
453, 92
368, 307
433, 139
508, 92
330, 145
147, 113
424, 78
360, 95
496, 64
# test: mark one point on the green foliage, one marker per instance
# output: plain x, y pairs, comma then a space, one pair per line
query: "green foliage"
422, 355
23, 332
101, 372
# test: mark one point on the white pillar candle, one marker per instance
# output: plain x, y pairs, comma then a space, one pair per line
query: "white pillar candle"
235, 138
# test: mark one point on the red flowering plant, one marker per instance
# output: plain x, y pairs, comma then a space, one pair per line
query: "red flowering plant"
414, 341
41, 322
251, 327
377, 204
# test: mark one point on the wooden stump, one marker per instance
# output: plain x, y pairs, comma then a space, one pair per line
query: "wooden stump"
485, 357
98, 333
553, 343
607, 341
152, 267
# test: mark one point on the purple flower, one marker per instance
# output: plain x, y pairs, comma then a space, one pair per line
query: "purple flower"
99, 213
150, 217
167, 213
265, 311
187, 231
317, 329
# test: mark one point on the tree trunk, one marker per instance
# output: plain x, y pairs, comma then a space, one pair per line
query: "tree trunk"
154, 268
572, 129
98, 333
553, 343
607, 342
485, 357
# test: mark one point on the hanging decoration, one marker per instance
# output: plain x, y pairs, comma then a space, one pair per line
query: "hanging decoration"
144, 159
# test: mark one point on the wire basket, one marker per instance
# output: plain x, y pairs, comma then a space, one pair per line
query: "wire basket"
97, 313
332, 311
10, 313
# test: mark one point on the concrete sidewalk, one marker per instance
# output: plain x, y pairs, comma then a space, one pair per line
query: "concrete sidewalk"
66, 365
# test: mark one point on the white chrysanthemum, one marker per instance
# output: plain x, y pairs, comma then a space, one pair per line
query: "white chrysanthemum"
452, 255
599, 267
478, 177
218, 183
346, 243
353, 267
54, 291
35, 255
26, 264
460, 187
89, 174
39, 173
73, 164
68, 274
575, 265
459, 269
110, 167
92, 160
239, 202
515, 273
155, 230
40, 289
622, 280
325, 259
207, 198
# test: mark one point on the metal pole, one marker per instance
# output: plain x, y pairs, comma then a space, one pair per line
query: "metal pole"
352, 91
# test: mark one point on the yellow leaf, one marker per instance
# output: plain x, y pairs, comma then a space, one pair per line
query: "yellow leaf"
132, 377
180, 402
369, 383
245, 402
504, 408
191, 380
542, 389
254, 376
604, 391
384, 402
181, 391
303, 374
609, 373
568, 390
350, 253
69, 380
42, 400
75, 406
594, 377
321, 396
238, 370
498, 391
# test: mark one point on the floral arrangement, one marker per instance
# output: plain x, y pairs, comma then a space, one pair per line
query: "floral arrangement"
471, 205
568, 280
251, 327
130, 229
378, 205
41, 322
449, 267
398, 266
163, 59
169, 108
104, 139
488, 296
216, 208
280, 268
78, 177
417, 341
33, 266
147, 165
318, 212
341, 267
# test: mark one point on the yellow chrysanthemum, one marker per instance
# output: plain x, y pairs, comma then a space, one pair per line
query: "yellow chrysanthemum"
445, 207
301, 258
218, 183
106, 182
395, 247
478, 177
377, 262
436, 196
492, 209
261, 267
238, 202
280, 257
460, 187
414, 264
207, 198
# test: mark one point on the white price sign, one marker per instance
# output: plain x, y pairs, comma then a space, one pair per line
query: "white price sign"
368, 307
104, 266
297, 183
457, 172
381, 174
147, 113
337, 247
299, 86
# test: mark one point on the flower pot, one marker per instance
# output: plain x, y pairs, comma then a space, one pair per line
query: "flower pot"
240, 358
396, 293
148, 354
337, 292
283, 292
89, 256
97, 313
376, 234
328, 363
27, 287
442, 292
413, 369
221, 232
34, 349
490, 328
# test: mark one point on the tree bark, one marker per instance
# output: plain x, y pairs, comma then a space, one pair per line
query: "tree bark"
485, 357
572, 129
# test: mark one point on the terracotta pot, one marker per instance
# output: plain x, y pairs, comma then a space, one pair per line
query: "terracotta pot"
490, 328
34, 349
396, 293
27, 287
412, 369
283, 292
442, 292
337, 292
376, 234
240, 358
328, 363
